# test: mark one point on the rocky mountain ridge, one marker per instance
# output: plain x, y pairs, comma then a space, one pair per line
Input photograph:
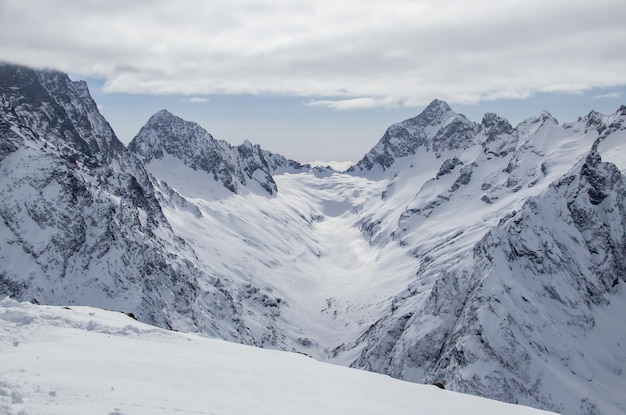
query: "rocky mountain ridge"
165, 134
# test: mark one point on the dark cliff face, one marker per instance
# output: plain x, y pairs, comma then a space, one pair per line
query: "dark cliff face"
71, 195
59, 110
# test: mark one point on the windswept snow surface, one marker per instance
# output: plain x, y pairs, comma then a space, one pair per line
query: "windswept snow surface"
82, 360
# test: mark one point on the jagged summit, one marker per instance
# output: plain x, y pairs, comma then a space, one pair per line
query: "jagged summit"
435, 110
437, 129
494, 122
167, 133
543, 116
162, 116
236, 168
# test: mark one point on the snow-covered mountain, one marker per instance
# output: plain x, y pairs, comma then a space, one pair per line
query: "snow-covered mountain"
181, 153
436, 129
82, 220
488, 257
519, 234
170, 145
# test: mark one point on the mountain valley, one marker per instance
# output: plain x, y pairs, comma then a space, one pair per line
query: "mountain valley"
487, 257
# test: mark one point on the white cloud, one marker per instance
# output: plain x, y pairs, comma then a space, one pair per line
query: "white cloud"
610, 95
352, 103
398, 52
198, 100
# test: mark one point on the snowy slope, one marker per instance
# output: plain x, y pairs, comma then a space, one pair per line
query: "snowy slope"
445, 213
85, 360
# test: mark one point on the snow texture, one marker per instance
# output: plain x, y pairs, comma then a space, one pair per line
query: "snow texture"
77, 360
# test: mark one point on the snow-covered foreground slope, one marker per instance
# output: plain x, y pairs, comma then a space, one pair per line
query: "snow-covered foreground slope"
81, 360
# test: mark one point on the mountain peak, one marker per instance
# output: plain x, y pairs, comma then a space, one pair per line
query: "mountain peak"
163, 115
236, 168
438, 106
437, 128
434, 112
545, 115
83, 130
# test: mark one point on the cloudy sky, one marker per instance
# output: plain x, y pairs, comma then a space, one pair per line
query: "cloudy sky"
323, 79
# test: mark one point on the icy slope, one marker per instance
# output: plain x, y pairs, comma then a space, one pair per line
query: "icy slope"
321, 282
85, 360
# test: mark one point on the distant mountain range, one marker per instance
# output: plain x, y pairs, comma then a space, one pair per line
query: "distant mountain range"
488, 257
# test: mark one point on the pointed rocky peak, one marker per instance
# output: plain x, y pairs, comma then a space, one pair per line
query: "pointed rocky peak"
531, 125
542, 118
435, 129
164, 119
594, 119
248, 143
436, 113
495, 124
498, 132
167, 133
235, 167
435, 110
177, 126
160, 116
439, 128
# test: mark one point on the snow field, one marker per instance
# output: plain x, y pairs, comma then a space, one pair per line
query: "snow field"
55, 360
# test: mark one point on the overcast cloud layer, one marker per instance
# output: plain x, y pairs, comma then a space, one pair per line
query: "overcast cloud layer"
340, 54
